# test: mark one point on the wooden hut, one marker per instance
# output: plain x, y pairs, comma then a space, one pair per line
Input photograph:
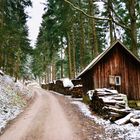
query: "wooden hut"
116, 68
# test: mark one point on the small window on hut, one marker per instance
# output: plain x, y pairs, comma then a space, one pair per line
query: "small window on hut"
117, 80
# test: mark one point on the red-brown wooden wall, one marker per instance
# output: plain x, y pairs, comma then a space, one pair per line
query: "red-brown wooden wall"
118, 62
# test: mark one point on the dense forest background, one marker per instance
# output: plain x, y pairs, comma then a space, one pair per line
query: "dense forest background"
71, 35
14, 42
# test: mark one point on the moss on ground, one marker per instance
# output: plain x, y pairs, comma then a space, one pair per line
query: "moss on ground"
86, 99
134, 104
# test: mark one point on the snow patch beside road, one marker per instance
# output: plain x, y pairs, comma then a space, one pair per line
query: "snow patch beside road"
13, 98
127, 132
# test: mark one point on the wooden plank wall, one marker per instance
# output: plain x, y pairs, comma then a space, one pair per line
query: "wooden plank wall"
117, 62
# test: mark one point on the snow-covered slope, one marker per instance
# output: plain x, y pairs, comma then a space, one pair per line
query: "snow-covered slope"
13, 98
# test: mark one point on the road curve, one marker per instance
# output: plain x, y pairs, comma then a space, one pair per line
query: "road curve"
44, 119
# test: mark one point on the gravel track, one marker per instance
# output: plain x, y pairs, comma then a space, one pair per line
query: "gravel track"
52, 117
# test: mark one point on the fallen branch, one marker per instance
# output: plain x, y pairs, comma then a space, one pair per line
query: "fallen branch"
125, 119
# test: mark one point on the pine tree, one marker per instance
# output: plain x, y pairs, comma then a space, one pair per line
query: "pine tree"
13, 30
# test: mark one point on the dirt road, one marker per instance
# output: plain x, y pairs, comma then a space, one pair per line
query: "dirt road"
52, 117
45, 119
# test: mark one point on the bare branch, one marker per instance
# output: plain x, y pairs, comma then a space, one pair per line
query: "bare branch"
121, 25
89, 16
119, 18
85, 12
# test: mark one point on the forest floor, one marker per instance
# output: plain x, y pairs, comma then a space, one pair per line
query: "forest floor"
52, 117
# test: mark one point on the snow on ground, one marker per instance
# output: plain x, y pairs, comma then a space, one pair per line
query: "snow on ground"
13, 98
123, 132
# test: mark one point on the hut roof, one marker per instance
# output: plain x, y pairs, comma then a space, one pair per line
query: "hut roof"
100, 56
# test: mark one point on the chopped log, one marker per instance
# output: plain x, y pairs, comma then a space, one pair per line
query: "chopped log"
106, 90
137, 116
51, 86
113, 106
111, 101
1, 73
124, 120
118, 98
115, 116
135, 122
61, 86
105, 93
109, 97
99, 89
120, 111
77, 91
104, 101
97, 103
59, 83
111, 91
97, 106
120, 106
44, 86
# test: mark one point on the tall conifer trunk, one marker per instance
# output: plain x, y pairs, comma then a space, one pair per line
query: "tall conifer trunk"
62, 65
73, 53
69, 56
133, 25
94, 32
82, 39
1, 28
110, 21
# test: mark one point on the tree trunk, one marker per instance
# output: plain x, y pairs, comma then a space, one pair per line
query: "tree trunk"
48, 73
82, 38
94, 32
69, 56
17, 65
133, 32
53, 71
1, 28
73, 53
62, 67
110, 22
1, 56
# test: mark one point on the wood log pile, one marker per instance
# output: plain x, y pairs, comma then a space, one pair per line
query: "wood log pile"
44, 86
113, 106
66, 87
76, 82
51, 86
77, 91
60, 87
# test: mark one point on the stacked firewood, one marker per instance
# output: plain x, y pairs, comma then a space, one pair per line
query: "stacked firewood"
113, 106
77, 91
45, 86
51, 86
76, 82
66, 87
60, 87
